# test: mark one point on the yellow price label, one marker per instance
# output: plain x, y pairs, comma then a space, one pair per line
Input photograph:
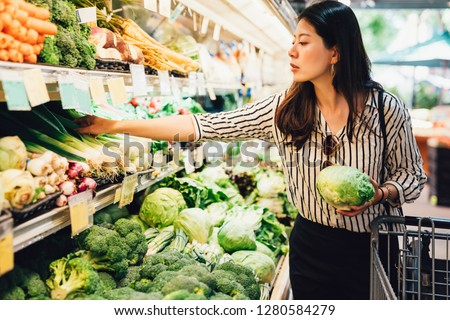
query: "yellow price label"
35, 86
117, 195
79, 217
6, 254
117, 91
97, 90
128, 189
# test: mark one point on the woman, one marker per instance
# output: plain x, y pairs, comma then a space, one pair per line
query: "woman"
328, 115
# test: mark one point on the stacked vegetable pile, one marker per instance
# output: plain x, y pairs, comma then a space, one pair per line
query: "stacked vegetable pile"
70, 47
23, 28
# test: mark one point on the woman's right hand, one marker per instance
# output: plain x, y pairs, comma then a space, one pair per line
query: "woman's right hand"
95, 125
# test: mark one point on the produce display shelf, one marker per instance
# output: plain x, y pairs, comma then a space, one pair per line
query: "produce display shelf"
51, 74
54, 220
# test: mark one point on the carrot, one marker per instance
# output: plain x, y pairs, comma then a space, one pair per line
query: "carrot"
1, 25
6, 19
32, 36
13, 29
32, 58
40, 38
40, 26
4, 55
11, 10
14, 44
21, 15
15, 56
2, 7
26, 49
22, 35
37, 48
33, 11
5, 41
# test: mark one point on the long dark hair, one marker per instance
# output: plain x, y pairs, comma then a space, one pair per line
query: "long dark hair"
337, 25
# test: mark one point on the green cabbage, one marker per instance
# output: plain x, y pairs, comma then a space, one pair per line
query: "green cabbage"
217, 212
235, 235
13, 153
343, 187
161, 208
261, 263
195, 223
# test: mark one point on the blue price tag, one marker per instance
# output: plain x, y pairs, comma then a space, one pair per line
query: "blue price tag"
15, 92
68, 93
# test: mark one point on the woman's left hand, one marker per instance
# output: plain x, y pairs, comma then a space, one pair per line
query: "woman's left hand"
355, 210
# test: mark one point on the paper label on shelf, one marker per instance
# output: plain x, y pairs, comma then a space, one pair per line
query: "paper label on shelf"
189, 162
175, 87
117, 91
97, 91
164, 82
176, 12
36, 88
138, 79
81, 84
80, 210
211, 93
164, 8
85, 15
151, 5
67, 92
6, 253
117, 195
15, 92
205, 24
201, 84
129, 184
192, 83
216, 34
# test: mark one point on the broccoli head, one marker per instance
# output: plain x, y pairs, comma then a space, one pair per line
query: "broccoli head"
14, 293
191, 284
127, 293
107, 281
184, 295
244, 275
72, 276
131, 276
34, 286
230, 287
220, 296
201, 273
131, 231
29, 283
143, 285
161, 279
150, 271
106, 250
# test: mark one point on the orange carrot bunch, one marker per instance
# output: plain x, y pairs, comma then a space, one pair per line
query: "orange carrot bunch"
23, 27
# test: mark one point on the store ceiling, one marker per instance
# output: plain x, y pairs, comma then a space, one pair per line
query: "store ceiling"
298, 5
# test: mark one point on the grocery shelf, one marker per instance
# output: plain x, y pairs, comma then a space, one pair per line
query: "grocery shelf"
50, 222
51, 74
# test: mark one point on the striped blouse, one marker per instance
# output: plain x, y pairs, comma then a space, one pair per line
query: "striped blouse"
301, 167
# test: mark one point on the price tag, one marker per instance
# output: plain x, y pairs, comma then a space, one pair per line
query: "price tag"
201, 84
15, 92
36, 88
175, 87
85, 15
67, 92
151, 5
138, 79
117, 91
97, 91
117, 195
205, 24
164, 8
83, 96
189, 162
164, 82
211, 93
80, 211
176, 12
192, 83
129, 184
216, 34
6, 246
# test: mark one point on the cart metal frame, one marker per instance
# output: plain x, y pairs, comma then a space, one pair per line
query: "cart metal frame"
421, 273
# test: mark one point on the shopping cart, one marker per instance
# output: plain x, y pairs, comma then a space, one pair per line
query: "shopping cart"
421, 269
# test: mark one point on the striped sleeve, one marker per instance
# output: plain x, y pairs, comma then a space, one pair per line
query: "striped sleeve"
253, 121
404, 162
